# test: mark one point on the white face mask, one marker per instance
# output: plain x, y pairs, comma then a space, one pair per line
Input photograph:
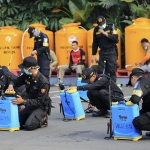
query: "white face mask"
103, 26
145, 48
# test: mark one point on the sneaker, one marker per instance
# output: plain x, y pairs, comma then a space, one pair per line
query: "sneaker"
147, 134
45, 122
107, 115
60, 82
99, 113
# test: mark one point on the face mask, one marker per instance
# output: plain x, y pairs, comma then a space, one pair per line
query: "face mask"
27, 72
145, 48
103, 26
36, 33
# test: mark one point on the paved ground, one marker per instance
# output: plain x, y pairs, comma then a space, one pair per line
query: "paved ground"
59, 135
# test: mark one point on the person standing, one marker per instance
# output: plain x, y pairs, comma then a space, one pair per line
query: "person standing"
41, 49
106, 38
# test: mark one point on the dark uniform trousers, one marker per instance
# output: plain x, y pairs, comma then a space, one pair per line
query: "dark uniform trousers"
99, 98
108, 55
31, 118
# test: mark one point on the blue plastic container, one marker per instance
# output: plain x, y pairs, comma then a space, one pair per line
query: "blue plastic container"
8, 114
82, 94
71, 104
122, 117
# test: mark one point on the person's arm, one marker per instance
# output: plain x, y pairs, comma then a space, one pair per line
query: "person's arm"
70, 61
102, 81
82, 61
138, 93
146, 57
95, 42
40, 100
54, 59
45, 45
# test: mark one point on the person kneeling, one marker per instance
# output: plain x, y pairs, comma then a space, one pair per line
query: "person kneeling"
98, 91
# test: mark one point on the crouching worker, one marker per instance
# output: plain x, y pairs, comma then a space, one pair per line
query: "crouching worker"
141, 91
5, 78
98, 91
34, 115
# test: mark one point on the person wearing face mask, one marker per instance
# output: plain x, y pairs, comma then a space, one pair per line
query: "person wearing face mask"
98, 91
141, 91
37, 106
106, 38
145, 62
41, 49
76, 62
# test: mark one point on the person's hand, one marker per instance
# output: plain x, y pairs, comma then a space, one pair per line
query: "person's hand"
138, 64
101, 31
21, 107
72, 88
34, 52
10, 88
92, 59
96, 59
18, 100
51, 66
73, 67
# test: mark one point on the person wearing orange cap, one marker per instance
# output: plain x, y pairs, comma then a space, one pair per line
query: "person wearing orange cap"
145, 62
106, 38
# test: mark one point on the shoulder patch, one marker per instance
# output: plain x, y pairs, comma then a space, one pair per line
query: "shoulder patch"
43, 90
137, 92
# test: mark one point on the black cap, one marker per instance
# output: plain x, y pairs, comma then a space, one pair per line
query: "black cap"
135, 71
87, 74
31, 31
100, 20
3, 69
28, 62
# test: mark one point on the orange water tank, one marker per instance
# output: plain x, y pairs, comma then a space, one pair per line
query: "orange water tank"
90, 41
10, 50
63, 40
133, 35
28, 43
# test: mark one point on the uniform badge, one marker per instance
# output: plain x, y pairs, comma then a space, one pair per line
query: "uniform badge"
99, 78
45, 40
43, 90
100, 20
84, 76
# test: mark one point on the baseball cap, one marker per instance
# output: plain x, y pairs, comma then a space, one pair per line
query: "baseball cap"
28, 62
100, 20
31, 31
135, 71
87, 74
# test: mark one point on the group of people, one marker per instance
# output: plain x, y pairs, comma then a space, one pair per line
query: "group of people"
33, 96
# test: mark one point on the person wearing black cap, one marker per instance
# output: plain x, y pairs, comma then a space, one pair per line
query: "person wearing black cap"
5, 78
106, 38
41, 49
140, 92
34, 115
98, 91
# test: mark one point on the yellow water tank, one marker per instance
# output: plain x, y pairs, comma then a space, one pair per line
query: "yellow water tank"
90, 41
63, 41
10, 47
133, 35
28, 43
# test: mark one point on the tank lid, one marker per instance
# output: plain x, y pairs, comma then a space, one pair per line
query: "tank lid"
8, 27
71, 24
37, 25
141, 20
72, 91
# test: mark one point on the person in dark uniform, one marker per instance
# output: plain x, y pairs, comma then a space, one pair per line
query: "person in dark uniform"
34, 115
41, 49
106, 38
141, 91
5, 78
98, 91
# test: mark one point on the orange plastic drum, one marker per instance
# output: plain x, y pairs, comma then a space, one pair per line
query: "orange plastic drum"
63, 40
90, 41
133, 35
10, 50
28, 43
